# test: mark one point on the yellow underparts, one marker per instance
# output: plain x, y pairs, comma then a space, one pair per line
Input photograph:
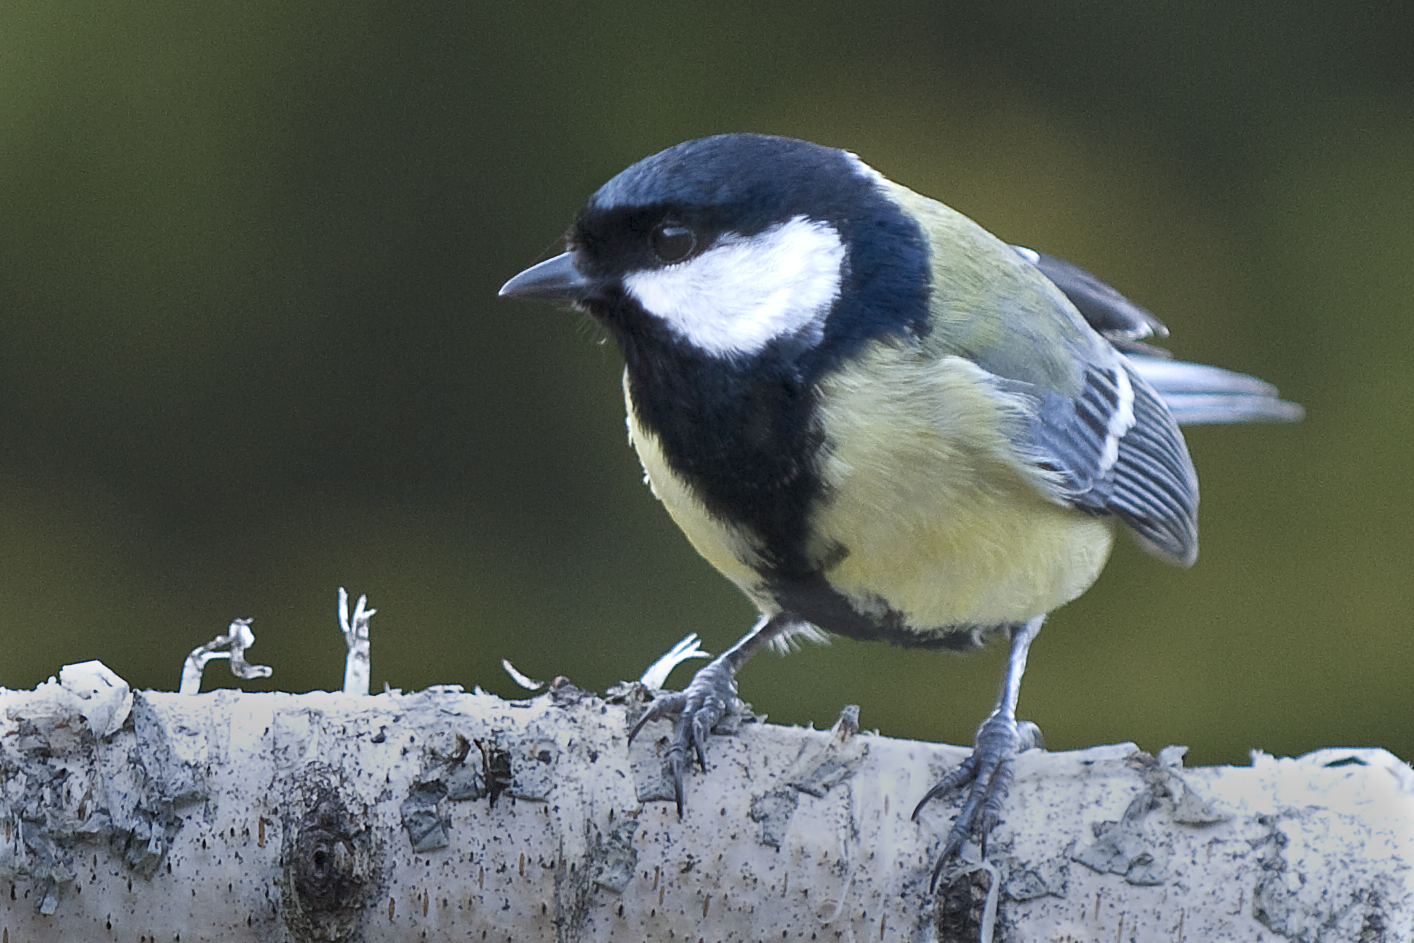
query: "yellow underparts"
925, 497
926, 494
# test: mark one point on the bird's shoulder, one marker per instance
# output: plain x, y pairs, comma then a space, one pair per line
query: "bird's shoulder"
991, 306
1080, 423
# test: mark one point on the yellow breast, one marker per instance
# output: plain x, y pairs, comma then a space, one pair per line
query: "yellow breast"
927, 496
923, 493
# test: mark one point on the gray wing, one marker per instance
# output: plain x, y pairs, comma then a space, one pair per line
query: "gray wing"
1192, 392
1114, 447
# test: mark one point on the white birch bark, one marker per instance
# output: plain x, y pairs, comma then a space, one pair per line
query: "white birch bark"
322, 816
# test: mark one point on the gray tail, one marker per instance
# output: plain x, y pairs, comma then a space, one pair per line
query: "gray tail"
1196, 393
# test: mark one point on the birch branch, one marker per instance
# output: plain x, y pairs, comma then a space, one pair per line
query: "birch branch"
444, 815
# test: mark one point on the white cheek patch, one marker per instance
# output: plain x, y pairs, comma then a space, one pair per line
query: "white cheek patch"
743, 292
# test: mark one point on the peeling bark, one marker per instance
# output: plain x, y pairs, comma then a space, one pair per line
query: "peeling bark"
443, 815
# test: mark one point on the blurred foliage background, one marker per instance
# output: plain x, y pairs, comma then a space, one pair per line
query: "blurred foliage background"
250, 348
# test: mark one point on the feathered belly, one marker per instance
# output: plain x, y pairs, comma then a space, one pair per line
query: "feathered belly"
926, 529
727, 547
958, 558
931, 509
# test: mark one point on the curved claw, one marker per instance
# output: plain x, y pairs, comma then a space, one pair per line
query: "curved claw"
989, 770
963, 774
676, 767
701, 728
699, 707
665, 704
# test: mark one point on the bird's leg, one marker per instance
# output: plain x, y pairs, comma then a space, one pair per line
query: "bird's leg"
707, 698
989, 769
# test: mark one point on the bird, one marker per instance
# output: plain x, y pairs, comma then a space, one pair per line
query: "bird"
878, 419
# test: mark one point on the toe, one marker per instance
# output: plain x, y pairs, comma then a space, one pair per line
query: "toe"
709, 696
988, 774
666, 704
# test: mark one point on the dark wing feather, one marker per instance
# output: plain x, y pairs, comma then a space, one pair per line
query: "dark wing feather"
1155, 488
1114, 448
1113, 316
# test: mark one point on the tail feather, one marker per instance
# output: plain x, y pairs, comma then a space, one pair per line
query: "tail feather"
1197, 393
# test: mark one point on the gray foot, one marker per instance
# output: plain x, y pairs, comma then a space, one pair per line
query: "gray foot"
708, 697
989, 771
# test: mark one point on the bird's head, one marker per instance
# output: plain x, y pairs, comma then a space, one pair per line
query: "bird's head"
732, 245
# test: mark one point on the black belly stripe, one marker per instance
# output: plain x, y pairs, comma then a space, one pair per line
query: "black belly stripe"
814, 600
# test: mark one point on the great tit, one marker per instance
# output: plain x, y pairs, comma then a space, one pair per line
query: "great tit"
876, 418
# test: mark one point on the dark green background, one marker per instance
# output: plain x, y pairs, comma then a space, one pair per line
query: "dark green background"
250, 348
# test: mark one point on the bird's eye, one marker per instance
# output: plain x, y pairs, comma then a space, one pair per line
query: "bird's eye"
672, 243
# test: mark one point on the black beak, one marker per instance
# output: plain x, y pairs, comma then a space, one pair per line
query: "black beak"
552, 280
